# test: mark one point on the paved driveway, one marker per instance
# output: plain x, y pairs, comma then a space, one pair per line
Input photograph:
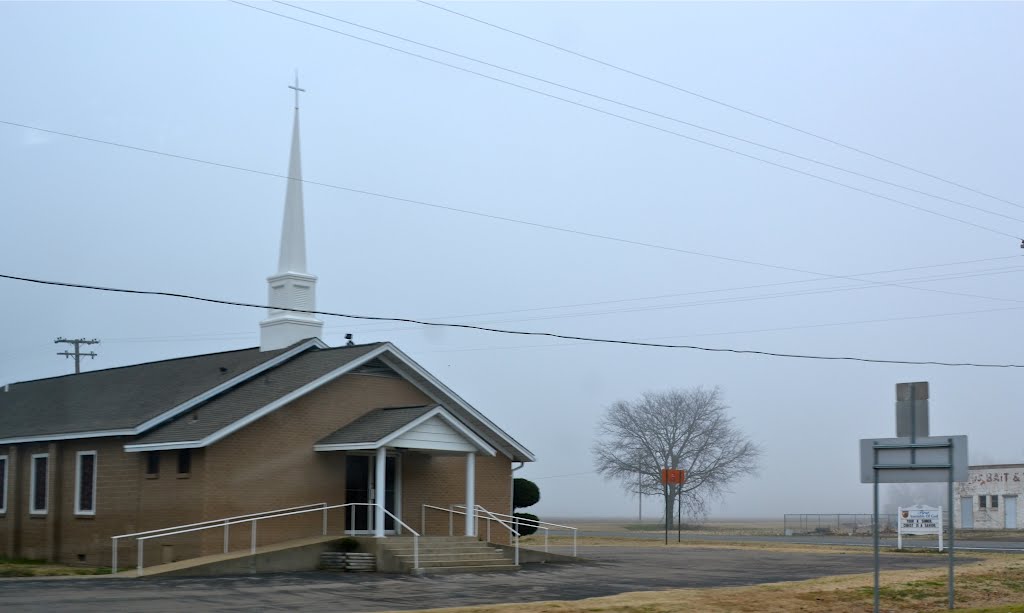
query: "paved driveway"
610, 571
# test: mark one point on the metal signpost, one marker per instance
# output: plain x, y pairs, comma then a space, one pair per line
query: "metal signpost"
913, 457
670, 477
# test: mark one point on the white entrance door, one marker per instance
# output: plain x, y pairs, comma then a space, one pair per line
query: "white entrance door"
967, 512
1010, 509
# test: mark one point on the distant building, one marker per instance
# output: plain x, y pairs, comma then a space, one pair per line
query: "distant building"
988, 499
292, 422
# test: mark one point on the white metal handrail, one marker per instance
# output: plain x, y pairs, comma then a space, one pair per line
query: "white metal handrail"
546, 526
452, 512
252, 519
223, 521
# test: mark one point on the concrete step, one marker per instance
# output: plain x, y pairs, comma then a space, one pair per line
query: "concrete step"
460, 563
451, 570
440, 552
458, 556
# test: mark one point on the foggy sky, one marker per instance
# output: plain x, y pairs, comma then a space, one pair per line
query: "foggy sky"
933, 85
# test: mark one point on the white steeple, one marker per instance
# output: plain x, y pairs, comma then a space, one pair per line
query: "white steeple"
292, 287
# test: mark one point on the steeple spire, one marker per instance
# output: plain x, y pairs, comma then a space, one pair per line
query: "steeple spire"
293, 230
292, 287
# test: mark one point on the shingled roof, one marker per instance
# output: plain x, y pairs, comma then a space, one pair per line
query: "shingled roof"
240, 402
118, 399
374, 426
195, 401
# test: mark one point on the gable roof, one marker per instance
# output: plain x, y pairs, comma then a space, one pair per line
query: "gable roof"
243, 404
129, 399
374, 426
191, 402
382, 427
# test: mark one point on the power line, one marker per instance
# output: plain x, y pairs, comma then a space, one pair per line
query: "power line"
724, 104
234, 335
641, 123
586, 472
756, 331
487, 215
512, 332
452, 209
661, 307
654, 113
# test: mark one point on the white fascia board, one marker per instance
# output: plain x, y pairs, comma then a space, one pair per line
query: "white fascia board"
468, 434
462, 403
257, 414
163, 446
66, 437
181, 408
347, 447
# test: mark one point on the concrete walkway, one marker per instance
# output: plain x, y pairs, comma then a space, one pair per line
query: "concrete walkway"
612, 571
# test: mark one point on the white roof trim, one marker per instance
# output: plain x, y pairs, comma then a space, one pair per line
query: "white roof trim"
401, 357
462, 403
273, 406
448, 418
65, 437
181, 408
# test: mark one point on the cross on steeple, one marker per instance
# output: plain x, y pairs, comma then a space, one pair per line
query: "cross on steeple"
296, 88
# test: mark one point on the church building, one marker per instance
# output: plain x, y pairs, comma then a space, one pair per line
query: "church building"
89, 456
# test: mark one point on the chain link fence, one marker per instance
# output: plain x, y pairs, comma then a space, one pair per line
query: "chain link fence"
837, 523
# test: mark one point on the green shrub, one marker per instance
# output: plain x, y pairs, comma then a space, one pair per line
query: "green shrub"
348, 545
525, 529
525, 493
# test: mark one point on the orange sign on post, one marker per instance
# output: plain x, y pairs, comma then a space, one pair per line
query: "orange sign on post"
673, 476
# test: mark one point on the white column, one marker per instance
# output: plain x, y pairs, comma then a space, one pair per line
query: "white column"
471, 494
379, 488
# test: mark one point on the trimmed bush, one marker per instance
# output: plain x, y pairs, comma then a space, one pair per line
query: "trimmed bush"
348, 544
525, 493
526, 529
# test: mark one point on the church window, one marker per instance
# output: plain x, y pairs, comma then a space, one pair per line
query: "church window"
85, 483
152, 463
39, 486
184, 461
3, 484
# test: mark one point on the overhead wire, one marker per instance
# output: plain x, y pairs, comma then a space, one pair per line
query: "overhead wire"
232, 335
588, 339
722, 103
653, 113
453, 209
643, 123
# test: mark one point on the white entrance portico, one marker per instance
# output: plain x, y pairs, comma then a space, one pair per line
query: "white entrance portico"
387, 434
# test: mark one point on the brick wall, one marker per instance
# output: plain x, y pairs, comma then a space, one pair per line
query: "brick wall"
269, 464
440, 480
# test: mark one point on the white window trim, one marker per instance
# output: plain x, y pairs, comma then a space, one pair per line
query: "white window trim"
78, 482
32, 487
3, 492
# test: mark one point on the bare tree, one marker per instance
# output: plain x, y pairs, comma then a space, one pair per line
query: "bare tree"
686, 429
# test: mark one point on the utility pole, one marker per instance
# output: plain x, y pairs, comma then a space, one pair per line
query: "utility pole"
77, 353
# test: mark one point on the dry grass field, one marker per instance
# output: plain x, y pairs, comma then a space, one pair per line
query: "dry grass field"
994, 583
738, 527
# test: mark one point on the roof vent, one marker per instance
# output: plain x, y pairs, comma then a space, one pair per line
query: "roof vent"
223, 369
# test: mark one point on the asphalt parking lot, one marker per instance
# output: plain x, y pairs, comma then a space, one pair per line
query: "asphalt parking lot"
609, 570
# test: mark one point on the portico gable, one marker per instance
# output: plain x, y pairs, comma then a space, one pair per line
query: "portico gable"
428, 429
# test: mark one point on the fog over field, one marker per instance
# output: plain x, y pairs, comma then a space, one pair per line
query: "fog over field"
671, 240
